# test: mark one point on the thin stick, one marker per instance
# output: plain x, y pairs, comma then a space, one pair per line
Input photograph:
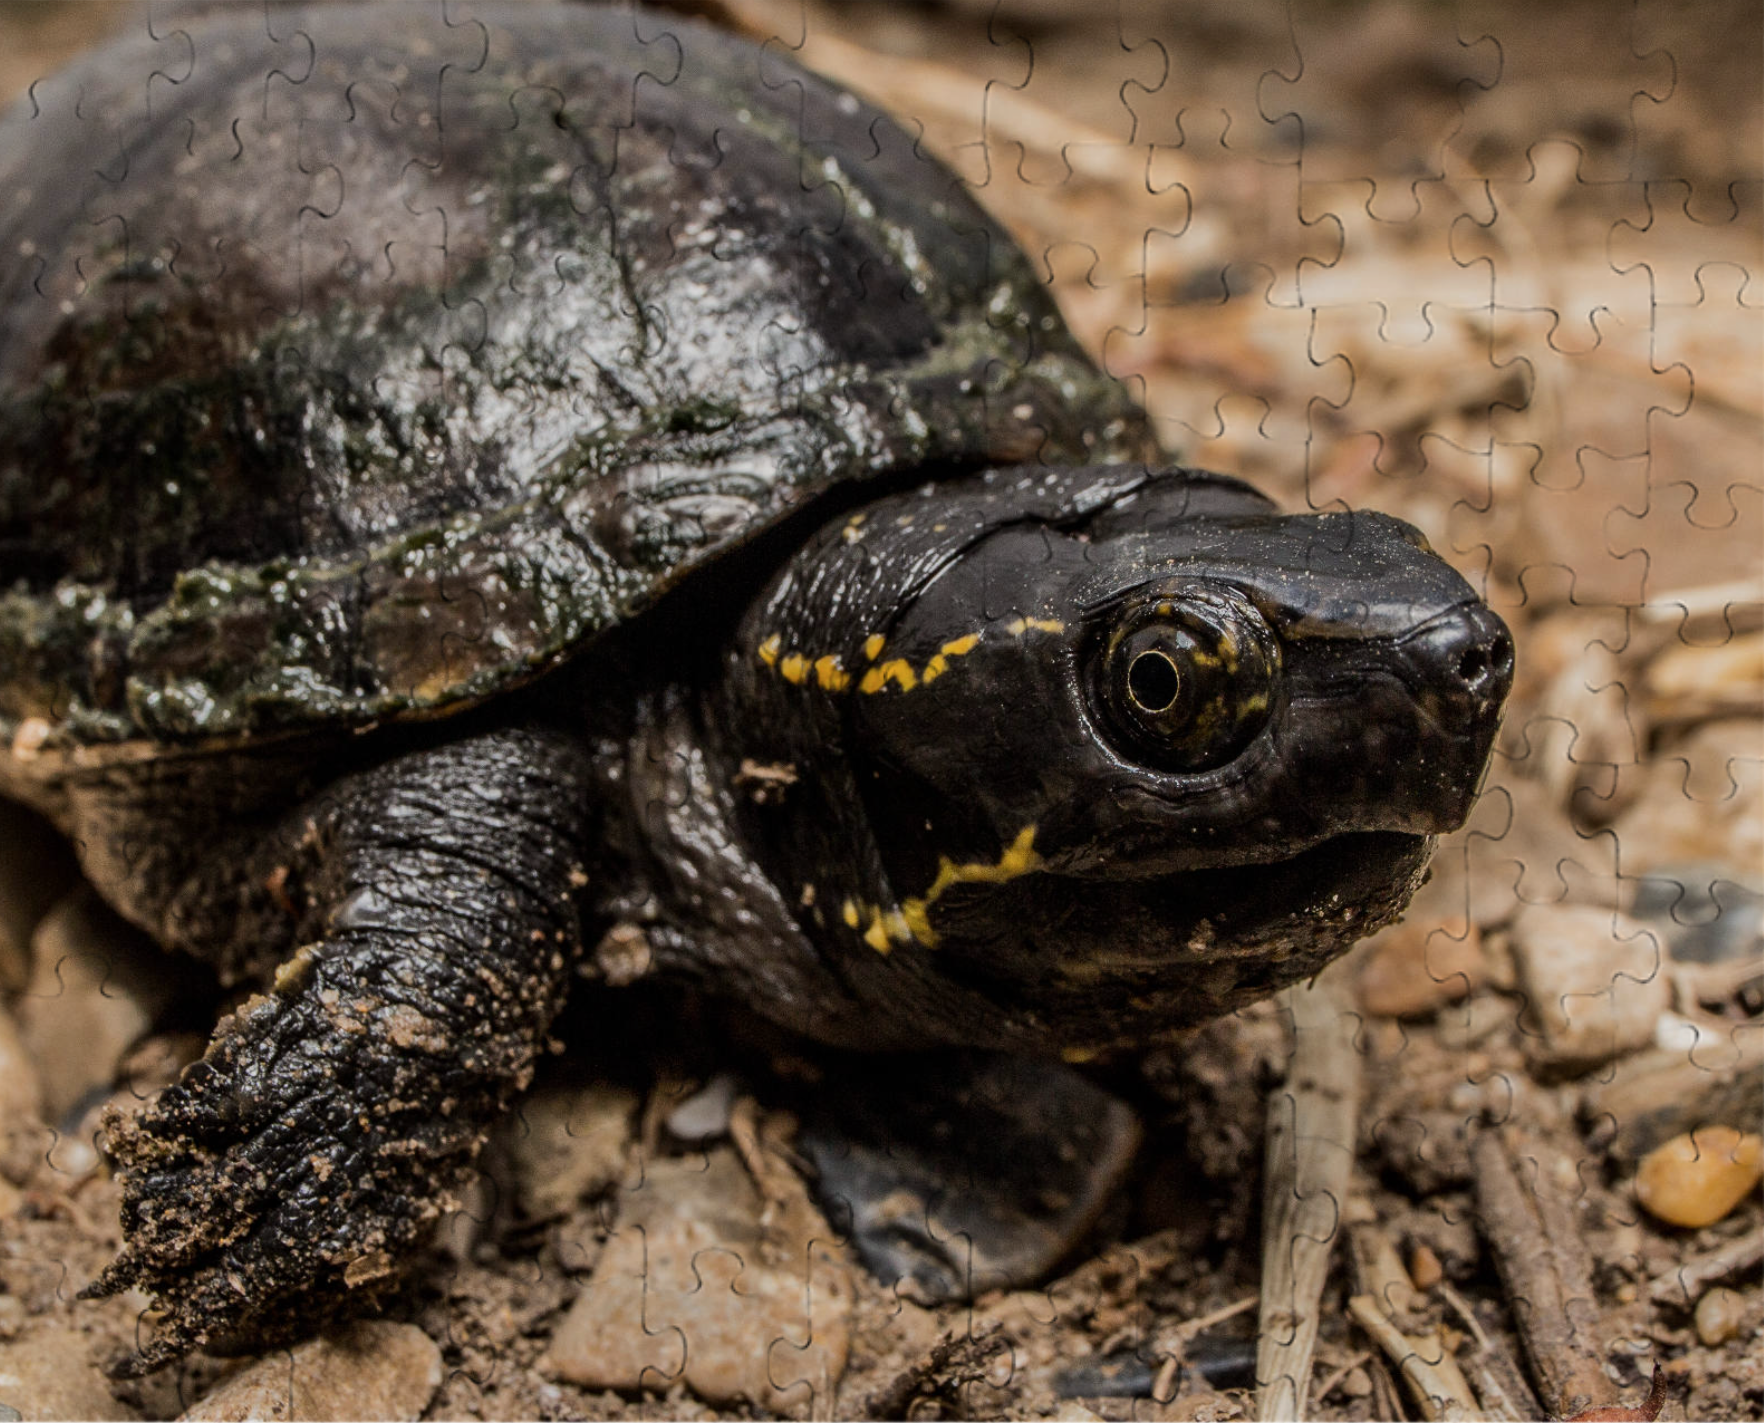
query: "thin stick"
1439, 1389
1500, 1386
1683, 1285
1310, 1158
1546, 1269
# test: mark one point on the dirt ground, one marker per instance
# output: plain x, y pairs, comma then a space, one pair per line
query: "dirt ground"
1493, 268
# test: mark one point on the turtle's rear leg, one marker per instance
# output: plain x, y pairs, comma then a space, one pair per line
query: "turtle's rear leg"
435, 901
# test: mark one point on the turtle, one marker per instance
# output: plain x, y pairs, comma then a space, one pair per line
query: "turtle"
544, 497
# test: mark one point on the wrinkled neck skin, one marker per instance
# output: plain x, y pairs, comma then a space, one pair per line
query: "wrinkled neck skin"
1060, 760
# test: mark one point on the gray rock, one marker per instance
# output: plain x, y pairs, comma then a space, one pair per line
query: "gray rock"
705, 1284
375, 1369
1708, 913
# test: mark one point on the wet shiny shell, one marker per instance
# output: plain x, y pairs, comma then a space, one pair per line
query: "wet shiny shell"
356, 368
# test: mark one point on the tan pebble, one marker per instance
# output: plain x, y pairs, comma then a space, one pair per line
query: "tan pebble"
1702, 800
1719, 1314
47, 1370
373, 1370
1627, 1293
1696, 1179
1356, 1383
1424, 1268
1417, 965
759, 1291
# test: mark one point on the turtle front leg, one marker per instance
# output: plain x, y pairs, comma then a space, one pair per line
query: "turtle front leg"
286, 1173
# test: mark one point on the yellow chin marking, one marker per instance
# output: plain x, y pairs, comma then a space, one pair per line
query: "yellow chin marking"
913, 919
769, 649
873, 646
795, 668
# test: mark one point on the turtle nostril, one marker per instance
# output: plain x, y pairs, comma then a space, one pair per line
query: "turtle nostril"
1472, 664
1501, 652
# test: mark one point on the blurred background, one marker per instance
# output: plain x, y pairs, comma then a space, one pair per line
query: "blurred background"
1494, 266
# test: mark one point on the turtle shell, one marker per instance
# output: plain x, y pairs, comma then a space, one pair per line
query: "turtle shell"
354, 369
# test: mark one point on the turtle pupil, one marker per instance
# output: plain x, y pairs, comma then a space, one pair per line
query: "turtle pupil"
1152, 682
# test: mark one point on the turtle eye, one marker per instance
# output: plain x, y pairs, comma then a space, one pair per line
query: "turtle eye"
1188, 676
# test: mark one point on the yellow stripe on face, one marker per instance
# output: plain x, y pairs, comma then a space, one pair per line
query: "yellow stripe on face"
912, 920
939, 664
1018, 627
769, 649
830, 674
795, 668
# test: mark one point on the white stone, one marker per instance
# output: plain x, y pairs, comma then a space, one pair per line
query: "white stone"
1595, 983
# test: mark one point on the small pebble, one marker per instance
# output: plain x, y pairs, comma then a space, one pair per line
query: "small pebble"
1696, 1179
1719, 1315
373, 1370
1356, 1383
1708, 913
1424, 1268
704, 1116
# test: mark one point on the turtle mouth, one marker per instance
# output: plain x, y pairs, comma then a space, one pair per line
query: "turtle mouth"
1094, 962
1341, 888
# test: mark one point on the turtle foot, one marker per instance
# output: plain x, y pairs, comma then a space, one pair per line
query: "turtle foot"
957, 1173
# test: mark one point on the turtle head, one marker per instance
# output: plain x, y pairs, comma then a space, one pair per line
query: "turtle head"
1133, 764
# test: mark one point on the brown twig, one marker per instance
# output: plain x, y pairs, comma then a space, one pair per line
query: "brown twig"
1546, 1269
